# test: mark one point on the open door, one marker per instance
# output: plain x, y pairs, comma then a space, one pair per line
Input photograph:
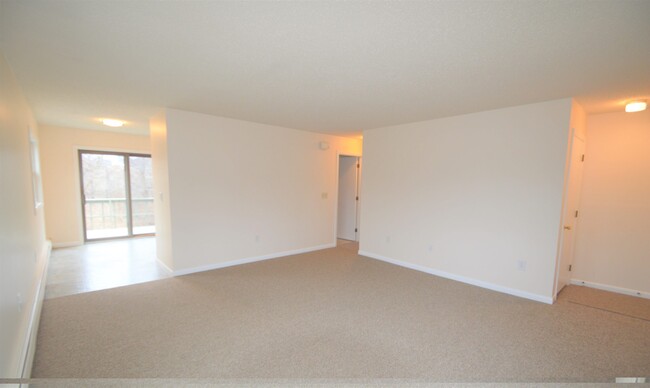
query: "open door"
348, 198
571, 213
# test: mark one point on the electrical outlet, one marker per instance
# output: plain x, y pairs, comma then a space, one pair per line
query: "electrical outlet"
521, 265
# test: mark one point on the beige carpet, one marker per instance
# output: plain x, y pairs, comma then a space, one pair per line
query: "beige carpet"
333, 314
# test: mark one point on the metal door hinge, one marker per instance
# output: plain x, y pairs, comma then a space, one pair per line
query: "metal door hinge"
576, 215
355, 230
570, 267
583, 158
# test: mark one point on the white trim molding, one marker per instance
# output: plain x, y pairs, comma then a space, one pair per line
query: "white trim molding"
605, 287
29, 346
231, 263
67, 244
462, 279
165, 267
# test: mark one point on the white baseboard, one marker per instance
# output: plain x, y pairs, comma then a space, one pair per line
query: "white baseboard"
463, 279
210, 267
67, 244
605, 287
165, 267
29, 346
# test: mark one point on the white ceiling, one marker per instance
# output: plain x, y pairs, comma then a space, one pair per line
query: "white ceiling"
335, 67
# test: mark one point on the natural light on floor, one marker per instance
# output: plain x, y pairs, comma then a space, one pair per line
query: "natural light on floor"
119, 232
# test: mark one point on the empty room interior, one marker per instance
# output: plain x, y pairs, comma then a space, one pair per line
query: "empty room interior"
325, 192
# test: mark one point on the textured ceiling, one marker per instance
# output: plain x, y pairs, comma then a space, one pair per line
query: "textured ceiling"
336, 67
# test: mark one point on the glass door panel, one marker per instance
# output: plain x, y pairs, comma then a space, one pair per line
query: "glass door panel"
141, 178
104, 195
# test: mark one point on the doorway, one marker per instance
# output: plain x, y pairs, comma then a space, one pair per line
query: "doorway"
116, 195
570, 213
347, 225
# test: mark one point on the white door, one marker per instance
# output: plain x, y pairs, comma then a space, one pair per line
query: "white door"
347, 198
571, 214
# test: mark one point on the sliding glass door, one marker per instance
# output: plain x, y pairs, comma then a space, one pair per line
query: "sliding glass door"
116, 194
141, 178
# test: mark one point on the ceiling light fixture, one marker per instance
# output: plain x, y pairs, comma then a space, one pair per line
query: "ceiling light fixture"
113, 123
636, 106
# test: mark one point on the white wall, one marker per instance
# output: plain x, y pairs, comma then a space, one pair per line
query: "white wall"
469, 196
613, 244
242, 190
60, 160
159, 160
23, 249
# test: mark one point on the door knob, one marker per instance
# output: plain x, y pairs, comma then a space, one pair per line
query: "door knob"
567, 227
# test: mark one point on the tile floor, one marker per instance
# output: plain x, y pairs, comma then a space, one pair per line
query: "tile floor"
108, 264
102, 265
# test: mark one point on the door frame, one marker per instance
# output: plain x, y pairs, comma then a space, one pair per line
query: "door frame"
127, 178
336, 201
565, 203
